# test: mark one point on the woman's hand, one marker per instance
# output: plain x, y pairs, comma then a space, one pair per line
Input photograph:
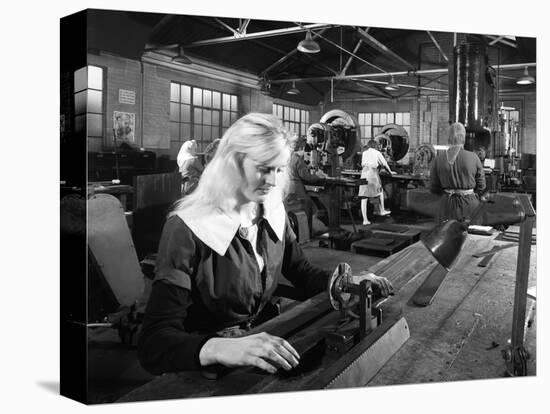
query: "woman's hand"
261, 350
385, 286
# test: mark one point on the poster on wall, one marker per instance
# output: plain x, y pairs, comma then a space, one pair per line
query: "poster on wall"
123, 126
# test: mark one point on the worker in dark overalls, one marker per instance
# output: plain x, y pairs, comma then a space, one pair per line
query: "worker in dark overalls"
458, 175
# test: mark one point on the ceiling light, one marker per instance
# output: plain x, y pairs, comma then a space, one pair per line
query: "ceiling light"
181, 58
308, 45
525, 79
391, 86
293, 90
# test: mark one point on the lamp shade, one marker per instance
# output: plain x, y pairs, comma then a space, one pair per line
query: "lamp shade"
525, 79
308, 45
181, 58
293, 90
445, 242
391, 86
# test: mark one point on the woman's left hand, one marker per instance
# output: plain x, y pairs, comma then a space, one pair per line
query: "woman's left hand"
385, 286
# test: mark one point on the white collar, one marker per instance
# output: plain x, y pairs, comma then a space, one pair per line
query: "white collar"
217, 228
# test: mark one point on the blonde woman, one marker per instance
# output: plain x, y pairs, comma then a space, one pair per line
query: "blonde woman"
223, 250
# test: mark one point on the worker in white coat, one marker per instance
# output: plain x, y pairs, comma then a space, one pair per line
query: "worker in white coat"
371, 160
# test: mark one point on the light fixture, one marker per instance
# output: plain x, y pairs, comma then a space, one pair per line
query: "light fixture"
293, 90
308, 45
525, 79
391, 85
181, 58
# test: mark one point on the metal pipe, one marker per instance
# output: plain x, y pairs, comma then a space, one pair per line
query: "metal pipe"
510, 66
258, 35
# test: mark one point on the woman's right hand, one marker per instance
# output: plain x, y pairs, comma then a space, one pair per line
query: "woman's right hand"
261, 350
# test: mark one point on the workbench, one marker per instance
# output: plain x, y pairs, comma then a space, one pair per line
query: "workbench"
460, 336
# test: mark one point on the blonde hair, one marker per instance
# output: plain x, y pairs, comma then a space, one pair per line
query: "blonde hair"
457, 134
260, 137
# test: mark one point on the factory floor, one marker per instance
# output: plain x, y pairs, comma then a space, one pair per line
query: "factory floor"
114, 370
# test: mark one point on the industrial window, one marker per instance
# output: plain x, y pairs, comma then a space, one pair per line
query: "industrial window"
371, 123
294, 119
200, 114
88, 101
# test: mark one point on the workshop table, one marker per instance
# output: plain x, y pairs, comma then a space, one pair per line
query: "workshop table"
460, 336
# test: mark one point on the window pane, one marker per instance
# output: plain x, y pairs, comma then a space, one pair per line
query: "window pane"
389, 119
286, 114
95, 77
302, 129
215, 117
197, 119
174, 92
206, 132
233, 117
197, 96
185, 132
81, 79
226, 119
376, 130
207, 98
197, 131
174, 111
95, 125
186, 94
361, 119
368, 118
216, 100
383, 119
80, 103
280, 111
406, 118
376, 119
399, 118
368, 132
274, 110
226, 101
174, 131
234, 103
207, 117
94, 101
185, 113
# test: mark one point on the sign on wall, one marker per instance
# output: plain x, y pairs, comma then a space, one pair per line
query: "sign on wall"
126, 97
124, 124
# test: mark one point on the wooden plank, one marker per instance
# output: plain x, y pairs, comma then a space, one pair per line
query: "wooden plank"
425, 295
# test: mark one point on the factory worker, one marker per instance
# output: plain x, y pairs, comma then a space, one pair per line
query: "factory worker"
222, 253
458, 175
189, 166
371, 160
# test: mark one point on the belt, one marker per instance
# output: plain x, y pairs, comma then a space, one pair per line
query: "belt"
457, 191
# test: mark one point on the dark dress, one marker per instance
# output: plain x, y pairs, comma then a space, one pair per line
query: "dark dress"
198, 292
464, 173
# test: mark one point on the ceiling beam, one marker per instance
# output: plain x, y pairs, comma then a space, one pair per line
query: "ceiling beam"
437, 45
352, 54
382, 48
257, 35
290, 54
501, 40
355, 49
